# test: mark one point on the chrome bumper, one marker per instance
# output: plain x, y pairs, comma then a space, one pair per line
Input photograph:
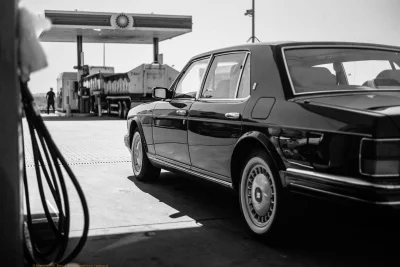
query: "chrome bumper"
348, 188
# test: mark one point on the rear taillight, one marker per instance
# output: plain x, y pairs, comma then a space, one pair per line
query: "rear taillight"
380, 157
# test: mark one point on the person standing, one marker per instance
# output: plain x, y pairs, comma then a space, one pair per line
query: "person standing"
50, 100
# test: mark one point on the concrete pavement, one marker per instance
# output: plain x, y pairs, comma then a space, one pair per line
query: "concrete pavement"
182, 221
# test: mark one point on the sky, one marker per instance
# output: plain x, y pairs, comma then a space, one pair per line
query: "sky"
221, 23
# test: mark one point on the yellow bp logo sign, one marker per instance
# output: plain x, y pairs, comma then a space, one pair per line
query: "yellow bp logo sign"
121, 21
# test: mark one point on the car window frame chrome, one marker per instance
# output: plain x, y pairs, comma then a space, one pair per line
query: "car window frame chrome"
179, 78
292, 47
247, 55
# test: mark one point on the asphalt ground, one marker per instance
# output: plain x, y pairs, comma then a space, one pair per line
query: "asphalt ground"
183, 221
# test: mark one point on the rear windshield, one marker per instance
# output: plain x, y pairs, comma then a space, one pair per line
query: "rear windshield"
313, 70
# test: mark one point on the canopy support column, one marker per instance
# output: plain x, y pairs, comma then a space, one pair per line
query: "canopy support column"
79, 42
79, 49
155, 49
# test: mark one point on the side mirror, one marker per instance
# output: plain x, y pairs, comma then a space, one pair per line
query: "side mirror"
160, 93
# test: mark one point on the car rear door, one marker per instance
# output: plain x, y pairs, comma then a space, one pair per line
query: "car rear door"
170, 117
215, 118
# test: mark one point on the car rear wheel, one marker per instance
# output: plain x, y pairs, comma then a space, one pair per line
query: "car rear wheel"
142, 168
261, 194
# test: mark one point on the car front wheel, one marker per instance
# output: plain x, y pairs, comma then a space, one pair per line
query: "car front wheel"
142, 168
260, 194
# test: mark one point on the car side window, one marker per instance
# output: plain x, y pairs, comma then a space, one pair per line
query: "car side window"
223, 77
244, 86
191, 81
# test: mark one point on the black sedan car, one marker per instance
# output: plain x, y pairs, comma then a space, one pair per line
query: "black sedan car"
316, 118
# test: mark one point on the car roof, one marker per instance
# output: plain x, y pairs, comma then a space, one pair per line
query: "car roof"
294, 43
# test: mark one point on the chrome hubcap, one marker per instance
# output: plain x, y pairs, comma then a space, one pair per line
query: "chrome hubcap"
260, 195
137, 154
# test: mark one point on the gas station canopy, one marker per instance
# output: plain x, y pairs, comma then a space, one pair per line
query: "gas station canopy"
104, 27
101, 27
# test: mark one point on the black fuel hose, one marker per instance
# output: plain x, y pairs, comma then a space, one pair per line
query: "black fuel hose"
50, 167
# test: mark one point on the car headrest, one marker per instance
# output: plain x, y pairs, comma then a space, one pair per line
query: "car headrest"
235, 69
306, 76
223, 85
337, 67
222, 89
389, 74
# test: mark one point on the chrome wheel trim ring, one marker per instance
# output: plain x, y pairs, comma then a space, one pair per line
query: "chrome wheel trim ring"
258, 195
137, 153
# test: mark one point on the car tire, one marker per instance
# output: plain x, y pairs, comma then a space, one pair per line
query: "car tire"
126, 110
108, 108
261, 195
142, 168
120, 110
96, 109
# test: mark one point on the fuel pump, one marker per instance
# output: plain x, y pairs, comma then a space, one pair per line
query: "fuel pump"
50, 165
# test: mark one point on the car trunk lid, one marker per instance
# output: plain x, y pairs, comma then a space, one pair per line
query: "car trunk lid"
384, 103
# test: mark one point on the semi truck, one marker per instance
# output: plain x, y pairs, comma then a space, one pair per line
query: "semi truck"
117, 93
67, 89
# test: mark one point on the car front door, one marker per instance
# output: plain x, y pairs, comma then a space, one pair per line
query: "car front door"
170, 116
215, 118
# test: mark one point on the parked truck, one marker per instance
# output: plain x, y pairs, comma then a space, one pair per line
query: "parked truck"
117, 93
67, 89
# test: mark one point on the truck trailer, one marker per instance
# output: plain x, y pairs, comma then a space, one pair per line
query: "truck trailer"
117, 93
67, 88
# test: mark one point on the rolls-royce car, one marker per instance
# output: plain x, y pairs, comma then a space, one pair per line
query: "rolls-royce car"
320, 119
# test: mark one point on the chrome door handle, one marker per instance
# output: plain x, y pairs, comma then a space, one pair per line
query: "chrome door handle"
232, 115
181, 112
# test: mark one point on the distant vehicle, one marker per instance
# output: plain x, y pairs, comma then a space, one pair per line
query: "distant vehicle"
118, 92
273, 118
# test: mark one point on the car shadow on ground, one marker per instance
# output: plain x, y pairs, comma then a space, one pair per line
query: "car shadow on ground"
318, 234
